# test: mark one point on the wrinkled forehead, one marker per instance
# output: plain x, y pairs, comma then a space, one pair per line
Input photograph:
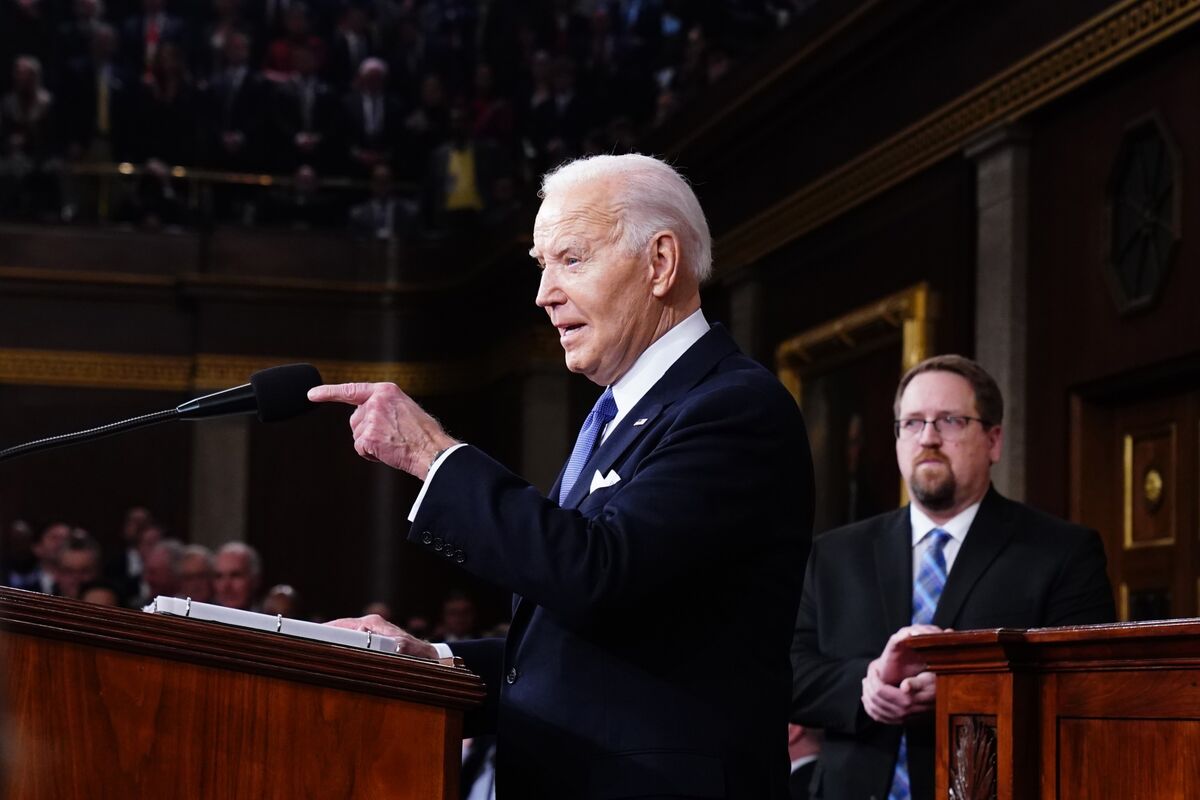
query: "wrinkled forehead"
586, 212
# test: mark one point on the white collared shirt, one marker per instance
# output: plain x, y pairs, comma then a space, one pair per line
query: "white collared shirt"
630, 388
652, 364
957, 527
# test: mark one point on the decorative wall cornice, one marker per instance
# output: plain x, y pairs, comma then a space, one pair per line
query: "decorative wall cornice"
209, 372
1092, 49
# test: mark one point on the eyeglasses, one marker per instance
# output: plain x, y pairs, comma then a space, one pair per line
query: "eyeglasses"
950, 427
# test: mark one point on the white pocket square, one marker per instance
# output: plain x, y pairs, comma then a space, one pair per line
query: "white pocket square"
600, 481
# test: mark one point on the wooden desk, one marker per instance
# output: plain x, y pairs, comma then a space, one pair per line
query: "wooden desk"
1102, 711
104, 702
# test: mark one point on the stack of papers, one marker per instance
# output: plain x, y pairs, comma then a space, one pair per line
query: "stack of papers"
184, 607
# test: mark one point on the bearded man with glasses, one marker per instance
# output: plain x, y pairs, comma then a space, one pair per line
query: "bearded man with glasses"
959, 556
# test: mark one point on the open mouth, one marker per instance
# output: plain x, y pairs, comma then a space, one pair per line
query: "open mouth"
565, 331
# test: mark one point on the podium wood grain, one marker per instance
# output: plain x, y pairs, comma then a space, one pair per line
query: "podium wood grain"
112, 703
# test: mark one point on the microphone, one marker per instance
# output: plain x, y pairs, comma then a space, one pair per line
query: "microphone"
275, 394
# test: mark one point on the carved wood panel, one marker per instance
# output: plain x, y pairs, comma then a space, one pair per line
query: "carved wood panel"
973, 757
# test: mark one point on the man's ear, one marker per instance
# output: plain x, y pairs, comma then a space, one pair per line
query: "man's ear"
664, 263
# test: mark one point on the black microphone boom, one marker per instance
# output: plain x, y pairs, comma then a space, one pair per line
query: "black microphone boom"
275, 394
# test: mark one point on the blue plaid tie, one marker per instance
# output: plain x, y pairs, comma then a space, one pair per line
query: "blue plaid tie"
927, 588
601, 414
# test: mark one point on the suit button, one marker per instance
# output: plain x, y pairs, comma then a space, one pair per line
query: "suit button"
437, 544
511, 677
426, 537
460, 556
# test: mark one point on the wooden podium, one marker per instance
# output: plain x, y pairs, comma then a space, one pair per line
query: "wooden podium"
1102, 711
101, 702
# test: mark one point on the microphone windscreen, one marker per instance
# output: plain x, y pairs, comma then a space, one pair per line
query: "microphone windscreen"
282, 392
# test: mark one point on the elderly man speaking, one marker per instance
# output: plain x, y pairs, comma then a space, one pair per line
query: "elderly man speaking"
657, 584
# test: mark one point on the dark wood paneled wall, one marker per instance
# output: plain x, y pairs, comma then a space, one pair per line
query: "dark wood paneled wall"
1078, 337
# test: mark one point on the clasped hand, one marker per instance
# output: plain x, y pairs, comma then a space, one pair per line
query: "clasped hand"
898, 687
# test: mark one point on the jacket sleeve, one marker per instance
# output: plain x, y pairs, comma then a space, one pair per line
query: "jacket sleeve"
826, 691
484, 657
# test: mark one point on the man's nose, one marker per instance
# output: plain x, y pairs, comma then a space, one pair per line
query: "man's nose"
930, 434
548, 293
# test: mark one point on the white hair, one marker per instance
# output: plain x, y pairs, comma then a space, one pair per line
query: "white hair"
253, 562
650, 197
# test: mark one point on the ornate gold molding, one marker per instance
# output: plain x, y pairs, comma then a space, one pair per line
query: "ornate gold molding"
210, 372
1092, 49
908, 312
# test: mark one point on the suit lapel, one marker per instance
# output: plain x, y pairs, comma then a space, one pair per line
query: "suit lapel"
988, 535
893, 566
696, 362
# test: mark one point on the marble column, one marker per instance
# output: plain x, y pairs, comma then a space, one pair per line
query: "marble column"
1001, 286
220, 480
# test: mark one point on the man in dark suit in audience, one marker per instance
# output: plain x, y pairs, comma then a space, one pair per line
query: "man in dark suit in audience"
656, 584
959, 556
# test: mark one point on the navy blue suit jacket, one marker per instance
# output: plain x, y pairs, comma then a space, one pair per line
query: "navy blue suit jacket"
648, 654
1017, 568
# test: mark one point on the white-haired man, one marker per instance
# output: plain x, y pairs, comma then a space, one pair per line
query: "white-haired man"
657, 583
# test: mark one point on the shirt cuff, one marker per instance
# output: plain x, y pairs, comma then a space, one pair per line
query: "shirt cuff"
433, 468
443, 650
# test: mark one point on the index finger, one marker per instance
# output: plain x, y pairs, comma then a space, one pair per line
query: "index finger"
351, 393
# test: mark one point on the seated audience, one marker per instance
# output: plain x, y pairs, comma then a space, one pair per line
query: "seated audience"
78, 563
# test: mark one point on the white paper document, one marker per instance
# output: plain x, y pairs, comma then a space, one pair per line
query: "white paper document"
182, 607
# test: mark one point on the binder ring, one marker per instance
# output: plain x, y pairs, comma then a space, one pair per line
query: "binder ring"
368, 638
278, 622
187, 612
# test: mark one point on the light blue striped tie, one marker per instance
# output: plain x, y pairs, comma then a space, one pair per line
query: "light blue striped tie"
601, 414
927, 589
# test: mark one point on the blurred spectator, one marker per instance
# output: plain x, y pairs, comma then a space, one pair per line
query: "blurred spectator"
162, 572
96, 92
237, 101
461, 177
46, 549
351, 44
297, 33
236, 576
143, 36
306, 114
167, 109
301, 205
458, 619
491, 113
74, 37
385, 216
124, 567
210, 54
196, 573
26, 141
18, 564
425, 127
101, 592
282, 600
78, 563
558, 121
372, 118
